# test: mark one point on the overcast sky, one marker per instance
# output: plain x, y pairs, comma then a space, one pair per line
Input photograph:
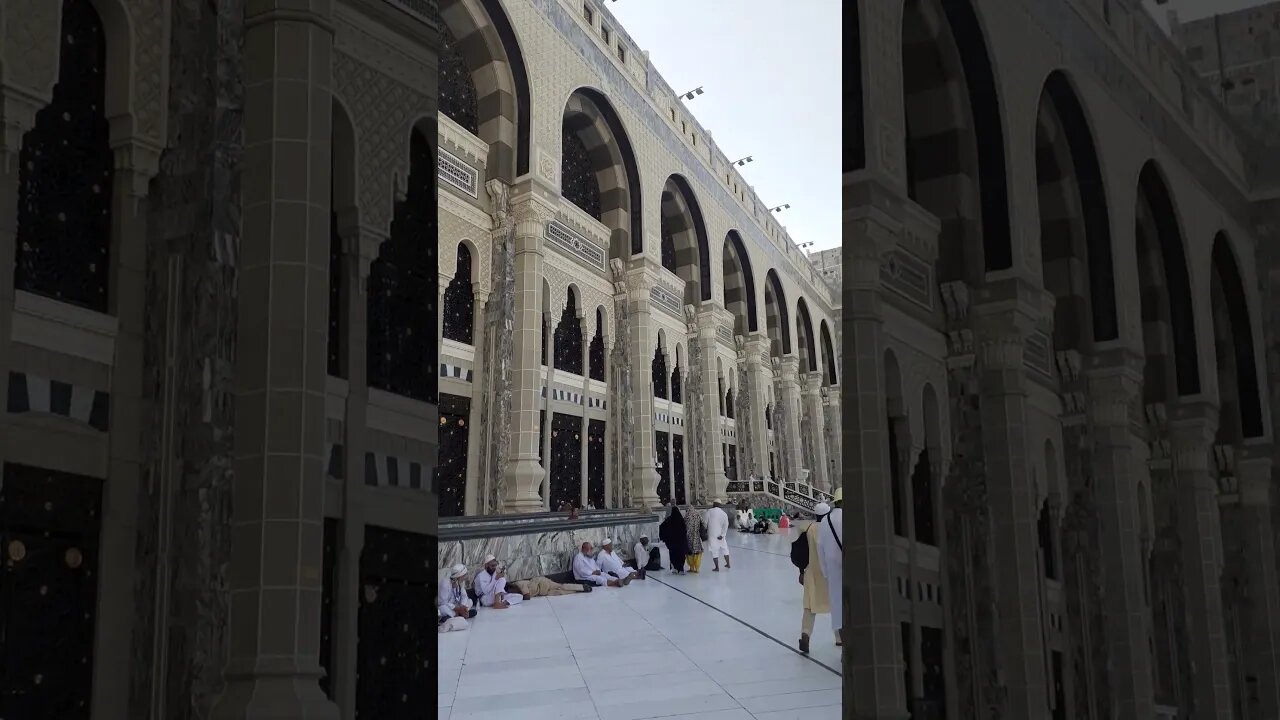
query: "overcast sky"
772, 74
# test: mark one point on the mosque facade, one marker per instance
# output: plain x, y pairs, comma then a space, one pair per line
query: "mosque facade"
623, 322
1060, 340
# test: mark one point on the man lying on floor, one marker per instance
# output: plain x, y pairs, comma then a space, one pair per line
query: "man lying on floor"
586, 570
611, 564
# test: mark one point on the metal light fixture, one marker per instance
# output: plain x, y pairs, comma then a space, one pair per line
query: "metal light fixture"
692, 93
742, 162
780, 208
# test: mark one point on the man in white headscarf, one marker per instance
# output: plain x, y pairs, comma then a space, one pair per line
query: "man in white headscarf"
831, 558
453, 602
491, 586
611, 564
717, 523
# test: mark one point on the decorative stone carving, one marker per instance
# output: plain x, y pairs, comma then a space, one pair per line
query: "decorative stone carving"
495, 391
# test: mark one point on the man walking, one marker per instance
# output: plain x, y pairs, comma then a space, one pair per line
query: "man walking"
717, 527
831, 558
817, 597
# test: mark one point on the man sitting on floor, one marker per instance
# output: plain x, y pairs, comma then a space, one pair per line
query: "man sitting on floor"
454, 604
586, 570
543, 586
647, 556
611, 564
491, 586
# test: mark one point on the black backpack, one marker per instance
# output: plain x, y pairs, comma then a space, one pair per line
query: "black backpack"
800, 551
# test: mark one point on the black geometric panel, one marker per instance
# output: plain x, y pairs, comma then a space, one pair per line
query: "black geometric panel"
569, 340
731, 462
677, 467
907, 644
578, 182
546, 323
720, 382
459, 301
451, 467
728, 404
457, 88
597, 358
1059, 686
933, 662
542, 437
922, 497
895, 483
664, 472
675, 384
402, 289
396, 653
1044, 528
668, 245
768, 417
328, 579
566, 459
595, 462
65, 175
49, 527
659, 374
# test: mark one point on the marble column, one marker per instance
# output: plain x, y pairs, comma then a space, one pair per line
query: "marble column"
544, 434
1262, 651
873, 687
359, 250
833, 436
1113, 388
816, 429
1002, 327
1193, 428
523, 472
789, 396
644, 474
708, 424
277, 530
586, 422
475, 437
755, 353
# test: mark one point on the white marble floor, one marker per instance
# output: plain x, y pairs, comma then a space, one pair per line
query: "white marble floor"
655, 649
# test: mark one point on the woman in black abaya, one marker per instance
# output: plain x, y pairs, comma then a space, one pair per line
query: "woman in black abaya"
674, 534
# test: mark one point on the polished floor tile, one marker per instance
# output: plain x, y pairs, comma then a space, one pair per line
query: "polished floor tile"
716, 646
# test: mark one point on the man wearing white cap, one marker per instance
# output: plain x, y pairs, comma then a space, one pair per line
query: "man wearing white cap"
717, 523
611, 564
491, 586
586, 570
453, 601
831, 558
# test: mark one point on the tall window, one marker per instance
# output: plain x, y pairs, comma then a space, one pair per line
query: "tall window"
335, 291
459, 301
728, 404
569, 339
659, 374
65, 175
720, 382
675, 383
457, 89
597, 350
402, 289
668, 245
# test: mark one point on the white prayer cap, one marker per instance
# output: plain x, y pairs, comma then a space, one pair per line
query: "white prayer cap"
459, 570
488, 559
717, 501
607, 541
821, 509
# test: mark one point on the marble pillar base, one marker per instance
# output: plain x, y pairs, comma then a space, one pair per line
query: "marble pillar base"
541, 553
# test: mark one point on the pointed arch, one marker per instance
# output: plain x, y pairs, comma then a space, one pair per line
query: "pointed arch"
955, 139
1075, 228
776, 315
1168, 311
804, 336
479, 39
684, 233
1234, 338
598, 169
739, 284
829, 354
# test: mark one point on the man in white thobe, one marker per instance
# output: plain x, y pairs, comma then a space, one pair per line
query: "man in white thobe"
585, 569
454, 604
831, 559
491, 585
610, 564
717, 523
644, 552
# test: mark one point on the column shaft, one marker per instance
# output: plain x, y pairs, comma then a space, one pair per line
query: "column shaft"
789, 396
475, 437
644, 476
1262, 651
816, 429
277, 524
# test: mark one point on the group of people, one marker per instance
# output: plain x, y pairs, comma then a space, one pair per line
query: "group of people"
821, 571
748, 522
689, 534
457, 607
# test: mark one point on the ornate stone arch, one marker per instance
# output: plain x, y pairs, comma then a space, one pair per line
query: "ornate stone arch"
830, 375
484, 83
776, 314
685, 250
954, 137
805, 346
1240, 396
739, 284
598, 169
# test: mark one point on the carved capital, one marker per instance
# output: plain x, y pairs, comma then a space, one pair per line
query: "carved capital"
1113, 390
531, 216
499, 203
1192, 434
